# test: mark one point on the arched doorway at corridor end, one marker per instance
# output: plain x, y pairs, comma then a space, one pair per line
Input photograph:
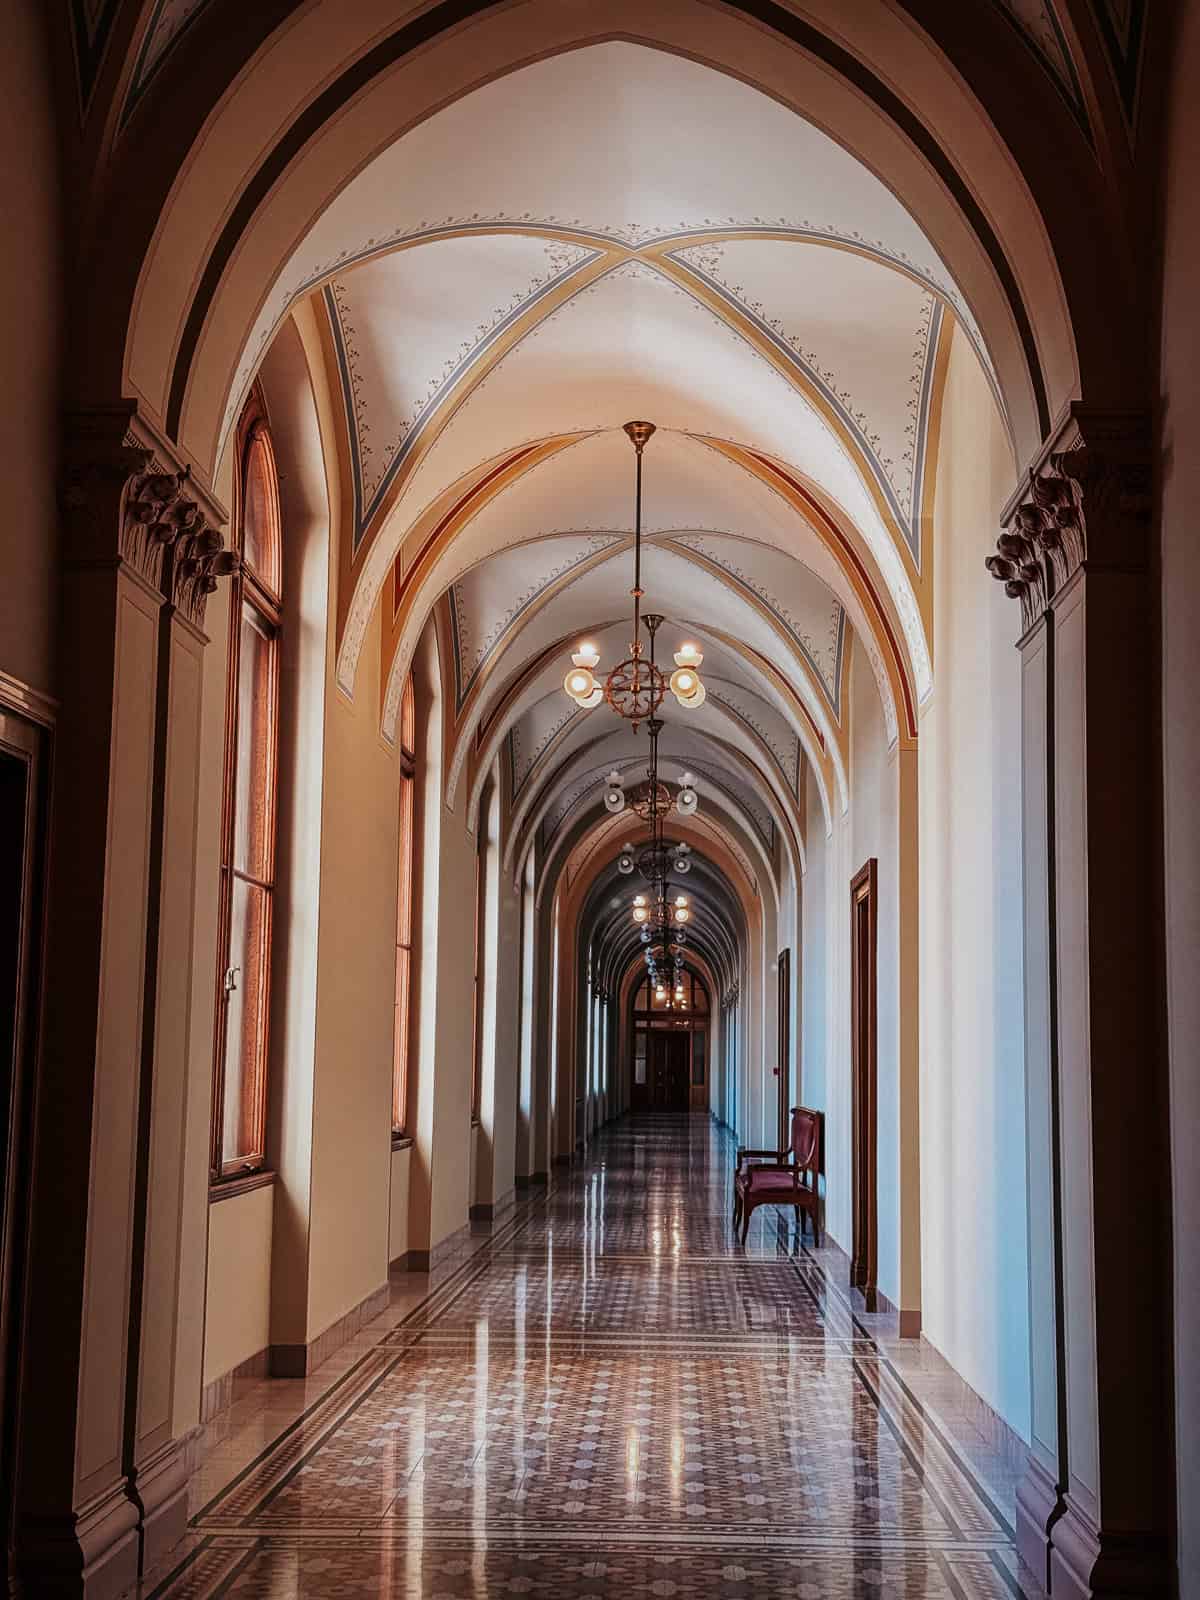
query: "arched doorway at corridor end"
670, 1028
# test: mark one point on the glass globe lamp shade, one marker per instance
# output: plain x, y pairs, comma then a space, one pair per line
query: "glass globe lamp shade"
685, 681
688, 655
579, 683
586, 656
693, 702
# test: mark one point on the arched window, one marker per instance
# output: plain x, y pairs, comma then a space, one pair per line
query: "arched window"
248, 822
404, 913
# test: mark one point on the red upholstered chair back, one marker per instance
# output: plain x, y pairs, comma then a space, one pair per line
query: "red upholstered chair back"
807, 1142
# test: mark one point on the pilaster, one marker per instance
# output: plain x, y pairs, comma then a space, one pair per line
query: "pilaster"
1098, 1499
137, 547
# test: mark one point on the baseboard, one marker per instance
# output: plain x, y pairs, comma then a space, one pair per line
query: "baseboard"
91, 1552
302, 1360
532, 1180
220, 1394
427, 1260
1087, 1564
160, 1486
489, 1210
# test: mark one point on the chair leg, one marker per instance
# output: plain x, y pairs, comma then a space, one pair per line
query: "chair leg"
737, 1209
799, 1220
747, 1210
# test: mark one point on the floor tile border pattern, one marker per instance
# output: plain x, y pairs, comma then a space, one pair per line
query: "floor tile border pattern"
344, 1394
966, 1574
221, 1556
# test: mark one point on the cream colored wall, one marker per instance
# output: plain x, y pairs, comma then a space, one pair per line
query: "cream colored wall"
972, 1034
238, 1324
352, 1089
443, 949
455, 1030
495, 1144
814, 942
1180, 485
873, 831
398, 1209
508, 1041
29, 337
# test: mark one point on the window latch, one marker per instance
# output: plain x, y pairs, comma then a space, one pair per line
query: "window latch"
231, 979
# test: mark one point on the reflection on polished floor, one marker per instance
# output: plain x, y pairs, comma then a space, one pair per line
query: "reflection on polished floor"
609, 1396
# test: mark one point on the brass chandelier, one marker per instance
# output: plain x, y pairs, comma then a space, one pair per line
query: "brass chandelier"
637, 686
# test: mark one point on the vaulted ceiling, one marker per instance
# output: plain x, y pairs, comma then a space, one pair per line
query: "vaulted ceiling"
611, 233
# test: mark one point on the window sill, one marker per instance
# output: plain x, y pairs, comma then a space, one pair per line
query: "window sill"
402, 1141
240, 1183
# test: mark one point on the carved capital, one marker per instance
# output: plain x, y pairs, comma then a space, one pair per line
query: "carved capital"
125, 497
1087, 504
198, 560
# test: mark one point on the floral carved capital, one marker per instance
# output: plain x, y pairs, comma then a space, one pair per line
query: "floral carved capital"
1087, 505
119, 502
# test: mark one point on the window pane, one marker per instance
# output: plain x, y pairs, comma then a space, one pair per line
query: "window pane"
405, 892
252, 826
639, 1059
400, 1041
246, 1022
260, 517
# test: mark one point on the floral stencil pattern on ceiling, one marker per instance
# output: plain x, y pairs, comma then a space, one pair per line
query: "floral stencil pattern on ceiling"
786, 753
823, 655
169, 21
1037, 23
629, 236
375, 469
525, 752
472, 648
901, 481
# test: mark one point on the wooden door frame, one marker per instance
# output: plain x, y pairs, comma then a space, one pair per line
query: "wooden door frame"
26, 733
784, 1040
864, 1079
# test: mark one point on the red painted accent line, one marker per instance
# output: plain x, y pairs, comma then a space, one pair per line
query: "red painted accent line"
844, 543
401, 584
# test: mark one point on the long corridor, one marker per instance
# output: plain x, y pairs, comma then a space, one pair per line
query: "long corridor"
609, 1396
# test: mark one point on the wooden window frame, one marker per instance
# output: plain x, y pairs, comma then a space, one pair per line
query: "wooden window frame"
481, 865
402, 1028
249, 589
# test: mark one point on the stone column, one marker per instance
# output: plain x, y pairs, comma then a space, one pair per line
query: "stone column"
101, 1321
1095, 1508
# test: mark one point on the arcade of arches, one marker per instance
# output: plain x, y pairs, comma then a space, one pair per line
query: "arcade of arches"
367, 1216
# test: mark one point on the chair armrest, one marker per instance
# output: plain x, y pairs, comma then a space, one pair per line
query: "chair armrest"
777, 1156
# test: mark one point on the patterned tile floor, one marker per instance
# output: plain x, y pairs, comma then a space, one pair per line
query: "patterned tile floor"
608, 1396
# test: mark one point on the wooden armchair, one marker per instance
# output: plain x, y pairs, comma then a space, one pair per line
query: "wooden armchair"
783, 1177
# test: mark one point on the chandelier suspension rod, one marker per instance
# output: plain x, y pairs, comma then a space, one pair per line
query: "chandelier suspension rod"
639, 444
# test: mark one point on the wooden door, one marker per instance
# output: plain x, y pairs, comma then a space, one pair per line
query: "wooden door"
668, 1071
864, 916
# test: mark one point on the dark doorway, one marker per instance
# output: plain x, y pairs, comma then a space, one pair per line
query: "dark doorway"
864, 916
22, 857
669, 1061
